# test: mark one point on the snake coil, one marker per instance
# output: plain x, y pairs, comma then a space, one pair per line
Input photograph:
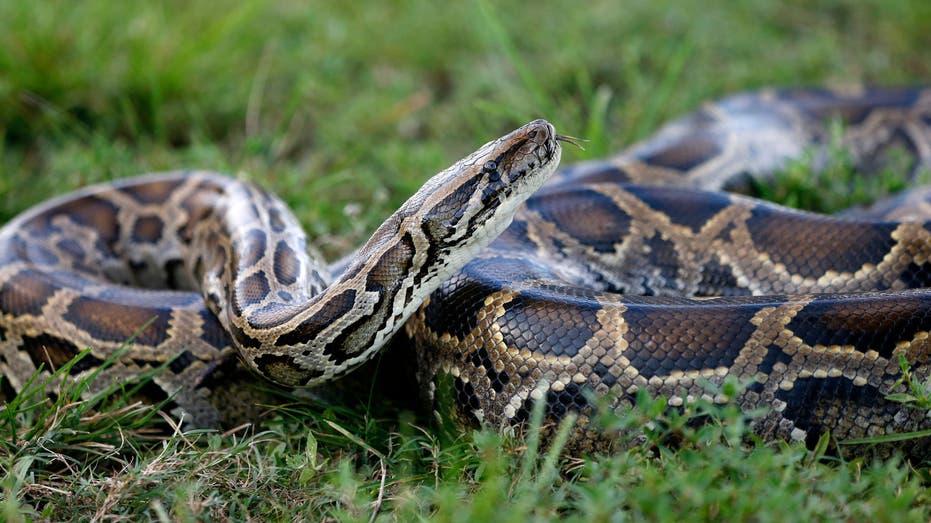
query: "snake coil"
627, 274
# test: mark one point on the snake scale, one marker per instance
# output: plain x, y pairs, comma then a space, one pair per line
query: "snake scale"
515, 282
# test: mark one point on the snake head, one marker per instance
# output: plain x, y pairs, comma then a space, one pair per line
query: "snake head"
462, 209
469, 204
434, 234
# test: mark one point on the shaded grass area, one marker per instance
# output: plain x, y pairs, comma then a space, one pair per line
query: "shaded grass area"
344, 109
72, 459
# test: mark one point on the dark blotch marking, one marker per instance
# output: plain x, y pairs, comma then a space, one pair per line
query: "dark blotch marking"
434, 252
254, 212
685, 154
392, 267
467, 400
774, 355
117, 321
586, 215
810, 399
94, 213
543, 321
137, 267
664, 338
26, 293
725, 233
198, 208
152, 192
558, 403
489, 193
604, 374
244, 339
7, 392
287, 264
251, 290
174, 274
271, 315
310, 328
663, 256
148, 229
719, 280
337, 351
453, 309
275, 220
481, 358
180, 363
570, 399
151, 393
250, 248
811, 245
866, 322
212, 300
492, 197
54, 352
72, 249
211, 331
823, 104
917, 276
685, 207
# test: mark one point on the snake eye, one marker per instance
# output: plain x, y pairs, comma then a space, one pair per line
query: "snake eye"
491, 168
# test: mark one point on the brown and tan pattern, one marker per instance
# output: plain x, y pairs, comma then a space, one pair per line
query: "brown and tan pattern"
617, 276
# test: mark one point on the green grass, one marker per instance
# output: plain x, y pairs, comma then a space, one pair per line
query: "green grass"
344, 109
70, 459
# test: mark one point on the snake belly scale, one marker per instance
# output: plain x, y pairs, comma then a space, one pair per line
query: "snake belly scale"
615, 276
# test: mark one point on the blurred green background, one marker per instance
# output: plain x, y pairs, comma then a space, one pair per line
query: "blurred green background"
346, 107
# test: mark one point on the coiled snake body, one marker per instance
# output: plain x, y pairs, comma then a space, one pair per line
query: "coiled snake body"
616, 276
